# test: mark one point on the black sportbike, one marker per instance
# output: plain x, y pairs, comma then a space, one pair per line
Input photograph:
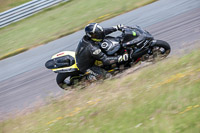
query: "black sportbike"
146, 49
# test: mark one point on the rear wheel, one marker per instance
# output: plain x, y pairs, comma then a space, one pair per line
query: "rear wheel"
60, 80
65, 80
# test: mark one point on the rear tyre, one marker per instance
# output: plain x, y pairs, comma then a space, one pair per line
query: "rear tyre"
66, 80
60, 79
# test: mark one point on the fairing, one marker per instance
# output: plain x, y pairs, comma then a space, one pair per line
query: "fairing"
66, 68
110, 45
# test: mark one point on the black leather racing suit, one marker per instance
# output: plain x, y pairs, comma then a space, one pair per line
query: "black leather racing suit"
88, 51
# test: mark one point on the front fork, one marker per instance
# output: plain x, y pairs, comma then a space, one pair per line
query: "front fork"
143, 52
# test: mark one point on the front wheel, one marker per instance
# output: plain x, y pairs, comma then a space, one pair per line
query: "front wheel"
160, 50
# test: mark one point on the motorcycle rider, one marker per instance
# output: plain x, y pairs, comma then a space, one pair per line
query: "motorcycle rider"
88, 50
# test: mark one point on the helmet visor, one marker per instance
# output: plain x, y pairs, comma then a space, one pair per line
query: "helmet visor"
98, 37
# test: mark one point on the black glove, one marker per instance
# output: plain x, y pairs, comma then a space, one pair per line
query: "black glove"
119, 27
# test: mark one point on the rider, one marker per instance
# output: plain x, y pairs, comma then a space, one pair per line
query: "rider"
88, 49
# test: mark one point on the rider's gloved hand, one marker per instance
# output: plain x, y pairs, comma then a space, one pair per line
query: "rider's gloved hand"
123, 57
124, 44
119, 27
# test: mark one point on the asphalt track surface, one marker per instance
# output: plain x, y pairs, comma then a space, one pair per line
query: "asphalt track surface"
24, 80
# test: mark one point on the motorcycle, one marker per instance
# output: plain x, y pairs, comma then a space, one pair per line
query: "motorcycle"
148, 49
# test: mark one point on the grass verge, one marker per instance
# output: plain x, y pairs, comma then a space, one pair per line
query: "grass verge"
60, 21
8, 4
163, 97
17, 51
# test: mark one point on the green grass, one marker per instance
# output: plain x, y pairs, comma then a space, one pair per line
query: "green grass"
8, 4
160, 98
60, 21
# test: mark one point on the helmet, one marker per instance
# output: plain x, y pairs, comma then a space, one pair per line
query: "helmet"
95, 32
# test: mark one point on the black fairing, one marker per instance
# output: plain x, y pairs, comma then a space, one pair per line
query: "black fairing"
110, 45
127, 35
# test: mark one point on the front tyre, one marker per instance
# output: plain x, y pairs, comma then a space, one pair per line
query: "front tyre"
160, 50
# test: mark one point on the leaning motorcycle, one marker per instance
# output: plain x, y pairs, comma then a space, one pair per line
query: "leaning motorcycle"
148, 49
